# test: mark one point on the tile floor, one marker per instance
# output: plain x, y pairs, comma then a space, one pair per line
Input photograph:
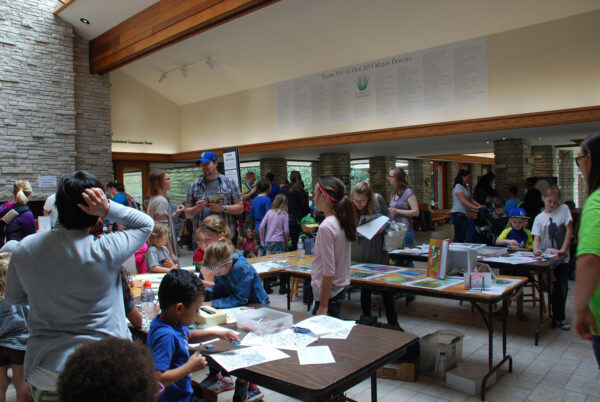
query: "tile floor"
561, 368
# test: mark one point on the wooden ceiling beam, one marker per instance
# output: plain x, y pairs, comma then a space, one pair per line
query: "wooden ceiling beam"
163, 24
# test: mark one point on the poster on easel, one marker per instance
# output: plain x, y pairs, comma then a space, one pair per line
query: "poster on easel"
231, 163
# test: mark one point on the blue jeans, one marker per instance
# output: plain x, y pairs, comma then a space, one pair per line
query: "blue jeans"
597, 349
459, 220
334, 307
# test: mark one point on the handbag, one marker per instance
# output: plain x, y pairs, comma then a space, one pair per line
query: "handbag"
393, 238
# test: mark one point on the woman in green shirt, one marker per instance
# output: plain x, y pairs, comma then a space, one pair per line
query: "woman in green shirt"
587, 285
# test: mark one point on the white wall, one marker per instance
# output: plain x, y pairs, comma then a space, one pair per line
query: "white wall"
140, 114
542, 67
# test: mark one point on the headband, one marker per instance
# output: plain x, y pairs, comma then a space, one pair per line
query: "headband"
203, 226
326, 195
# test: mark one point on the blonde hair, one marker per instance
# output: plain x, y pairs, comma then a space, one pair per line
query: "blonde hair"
21, 190
215, 224
4, 260
552, 190
218, 252
280, 204
362, 188
160, 230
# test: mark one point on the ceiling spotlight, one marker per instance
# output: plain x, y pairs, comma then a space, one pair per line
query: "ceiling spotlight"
539, 138
183, 72
162, 78
503, 138
209, 63
85, 21
487, 142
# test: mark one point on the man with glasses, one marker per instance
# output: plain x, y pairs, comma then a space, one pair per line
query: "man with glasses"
213, 193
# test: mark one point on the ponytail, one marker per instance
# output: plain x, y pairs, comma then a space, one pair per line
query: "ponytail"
343, 207
21, 198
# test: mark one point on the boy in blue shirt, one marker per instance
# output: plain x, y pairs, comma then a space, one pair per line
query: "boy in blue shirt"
180, 295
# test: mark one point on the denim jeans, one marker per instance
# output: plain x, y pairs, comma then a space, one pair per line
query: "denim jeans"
597, 349
334, 307
459, 220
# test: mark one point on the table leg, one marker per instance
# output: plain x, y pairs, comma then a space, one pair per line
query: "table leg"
374, 387
289, 295
548, 320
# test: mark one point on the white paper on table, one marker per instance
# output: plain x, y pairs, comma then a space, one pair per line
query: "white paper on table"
323, 324
286, 339
214, 328
341, 334
371, 228
509, 260
246, 357
44, 223
315, 355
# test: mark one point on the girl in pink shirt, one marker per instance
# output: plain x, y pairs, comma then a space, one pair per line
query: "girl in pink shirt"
331, 266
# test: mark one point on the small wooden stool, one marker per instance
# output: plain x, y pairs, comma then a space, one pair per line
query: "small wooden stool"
296, 286
533, 297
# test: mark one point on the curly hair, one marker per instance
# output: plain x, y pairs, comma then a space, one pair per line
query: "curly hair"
160, 230
112, 369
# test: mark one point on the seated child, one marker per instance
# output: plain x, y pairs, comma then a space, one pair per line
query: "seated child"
249, 245
213, 228
180, 296
140, 259
111, 369
236, 282
158, 258
518, 238
13, 338
274, 228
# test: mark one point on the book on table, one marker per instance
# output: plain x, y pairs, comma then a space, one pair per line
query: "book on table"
438, 258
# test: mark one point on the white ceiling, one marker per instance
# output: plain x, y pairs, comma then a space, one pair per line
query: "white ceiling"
294, 38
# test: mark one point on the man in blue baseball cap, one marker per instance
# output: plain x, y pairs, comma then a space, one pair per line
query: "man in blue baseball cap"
213, 193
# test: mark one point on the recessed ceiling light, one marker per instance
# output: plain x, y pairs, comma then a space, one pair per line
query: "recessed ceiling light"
85, 21
539, 138
503, 138
487, 142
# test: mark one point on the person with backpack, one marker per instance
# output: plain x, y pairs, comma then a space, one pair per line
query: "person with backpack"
16, 220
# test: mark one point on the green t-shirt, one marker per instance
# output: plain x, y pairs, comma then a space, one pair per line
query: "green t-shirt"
588, 241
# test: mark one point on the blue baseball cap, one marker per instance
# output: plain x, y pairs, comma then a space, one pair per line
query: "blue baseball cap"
517, 213
207, 156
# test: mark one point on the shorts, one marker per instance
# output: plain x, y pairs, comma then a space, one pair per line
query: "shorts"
10, 356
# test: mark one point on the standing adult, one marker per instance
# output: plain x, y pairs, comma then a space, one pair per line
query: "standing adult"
369, 205
297, 207
248, 194
50, 210
117, 192
484, 191
403, 204
460, 202
211, 183
70, 279
16, 214
532, 202
159, 208
587, 282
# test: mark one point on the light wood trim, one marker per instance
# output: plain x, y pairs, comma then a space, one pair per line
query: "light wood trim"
460, 158
64, 4
538, 119
163, 24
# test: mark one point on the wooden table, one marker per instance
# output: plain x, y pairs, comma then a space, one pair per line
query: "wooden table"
356, 359
544, 268
457, 292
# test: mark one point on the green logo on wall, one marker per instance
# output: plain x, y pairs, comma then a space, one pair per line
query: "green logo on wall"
362, 82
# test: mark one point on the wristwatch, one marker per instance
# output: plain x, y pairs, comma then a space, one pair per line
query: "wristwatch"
225, 209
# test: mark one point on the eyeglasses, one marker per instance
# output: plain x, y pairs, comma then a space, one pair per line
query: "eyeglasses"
579, 158
167, 179
215, 267
359, 201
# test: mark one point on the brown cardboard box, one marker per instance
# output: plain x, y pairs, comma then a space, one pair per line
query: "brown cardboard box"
407, 370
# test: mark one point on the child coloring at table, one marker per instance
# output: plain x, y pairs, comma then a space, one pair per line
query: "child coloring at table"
13, 339
236, 284
331, 266
158, 258
180, 296
552, 231
213, 228
274, 229
518, 238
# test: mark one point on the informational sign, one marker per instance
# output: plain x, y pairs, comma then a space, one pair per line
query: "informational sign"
47, 182
447, 77
231, 162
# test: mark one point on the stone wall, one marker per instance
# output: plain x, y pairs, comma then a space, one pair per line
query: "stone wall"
92, 118
513, 165
567, 176
54, 115
544, 161
277, 166
335, 164
379, 168
419, 179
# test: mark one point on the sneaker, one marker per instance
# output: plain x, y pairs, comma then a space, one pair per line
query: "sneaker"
218, 383
241, 391
283, 290
562, 325
367, 320
254, 394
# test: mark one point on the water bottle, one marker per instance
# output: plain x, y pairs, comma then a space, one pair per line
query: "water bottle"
148, 310
300, 248
441, 364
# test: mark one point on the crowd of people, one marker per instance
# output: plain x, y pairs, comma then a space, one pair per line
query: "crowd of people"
65, 305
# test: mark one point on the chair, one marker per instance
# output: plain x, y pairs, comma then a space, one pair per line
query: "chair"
296, 287
533, 297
